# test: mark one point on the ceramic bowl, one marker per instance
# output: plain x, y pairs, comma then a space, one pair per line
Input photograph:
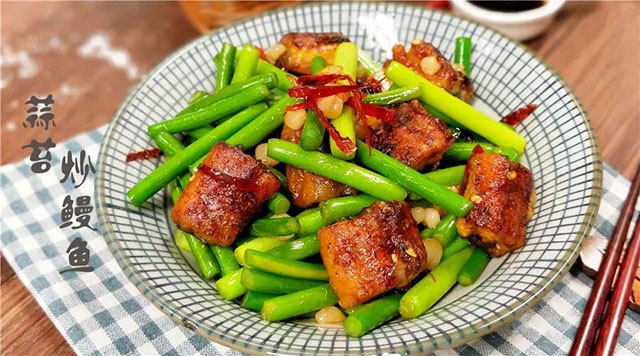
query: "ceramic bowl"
561, 153
521, 26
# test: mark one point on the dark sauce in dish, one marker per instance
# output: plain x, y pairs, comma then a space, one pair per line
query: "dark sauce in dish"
508, 6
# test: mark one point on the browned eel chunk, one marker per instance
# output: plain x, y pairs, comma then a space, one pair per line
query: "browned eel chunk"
415, 138
302, 47
309, 188
223, 195
501, 191
374, 252
447, 77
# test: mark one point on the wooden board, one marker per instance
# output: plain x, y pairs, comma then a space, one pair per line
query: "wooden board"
590, 259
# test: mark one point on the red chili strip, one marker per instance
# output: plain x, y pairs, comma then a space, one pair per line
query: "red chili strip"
248, 184
314, 92
293, 80
142, 155
312, 88
356, 103
439, 4
344, 143
323, 79
369, 85
519, 115
298, 106
383, 114
263, 55
477, 149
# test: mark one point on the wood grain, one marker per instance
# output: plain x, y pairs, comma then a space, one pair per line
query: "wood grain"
594, 46
87, 92
596, 49
590, 258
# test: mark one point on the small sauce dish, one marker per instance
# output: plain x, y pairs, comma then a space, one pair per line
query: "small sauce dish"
518, 23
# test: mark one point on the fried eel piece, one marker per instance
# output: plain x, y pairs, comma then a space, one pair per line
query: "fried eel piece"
447, 77
224, 195
415, 138
501, 191
302, 47
372, 253
309, 188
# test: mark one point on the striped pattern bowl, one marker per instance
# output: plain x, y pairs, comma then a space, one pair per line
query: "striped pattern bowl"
561, 153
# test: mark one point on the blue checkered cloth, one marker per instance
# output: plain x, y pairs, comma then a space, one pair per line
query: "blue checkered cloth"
101, 312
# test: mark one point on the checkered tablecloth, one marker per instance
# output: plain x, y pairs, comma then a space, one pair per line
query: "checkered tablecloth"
101, 312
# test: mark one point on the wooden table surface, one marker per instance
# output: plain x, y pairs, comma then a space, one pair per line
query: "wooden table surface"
594, 46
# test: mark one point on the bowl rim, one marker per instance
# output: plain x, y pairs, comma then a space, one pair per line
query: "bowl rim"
549, 8
513, 311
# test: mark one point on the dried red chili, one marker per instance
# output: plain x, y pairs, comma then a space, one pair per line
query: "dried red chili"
356, 103
313, 87
383, 114
438, 4
141, 155
477, 149
263, 55
344, 143
519, 115
314, 92
321, 79
369, 85
293, 80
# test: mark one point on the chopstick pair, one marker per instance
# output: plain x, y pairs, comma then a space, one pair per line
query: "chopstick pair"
593, 318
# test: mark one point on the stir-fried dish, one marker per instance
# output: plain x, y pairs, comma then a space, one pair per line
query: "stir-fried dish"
315, 182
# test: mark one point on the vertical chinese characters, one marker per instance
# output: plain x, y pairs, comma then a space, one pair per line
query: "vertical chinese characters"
40, 116
40, 155
81, 212
80, 166
79, 256
75, 213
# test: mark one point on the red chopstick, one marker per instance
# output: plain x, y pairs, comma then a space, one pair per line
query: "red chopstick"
610, 326
593, 312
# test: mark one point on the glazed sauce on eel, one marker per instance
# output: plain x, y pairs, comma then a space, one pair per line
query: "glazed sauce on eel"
248, 184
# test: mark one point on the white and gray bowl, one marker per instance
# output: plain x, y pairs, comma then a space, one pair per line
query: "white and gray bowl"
561, 152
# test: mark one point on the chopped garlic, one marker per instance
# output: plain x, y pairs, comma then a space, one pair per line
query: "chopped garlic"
458, 67
430, 65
